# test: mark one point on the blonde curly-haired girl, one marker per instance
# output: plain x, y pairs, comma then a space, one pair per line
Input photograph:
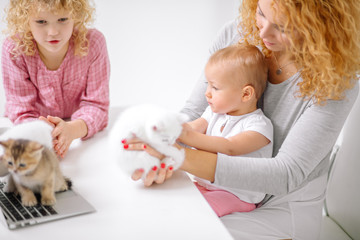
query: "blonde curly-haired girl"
55, 68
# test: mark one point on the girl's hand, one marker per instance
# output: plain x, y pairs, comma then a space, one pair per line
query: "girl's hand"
155, 175
47, 121
65, 132
62, 135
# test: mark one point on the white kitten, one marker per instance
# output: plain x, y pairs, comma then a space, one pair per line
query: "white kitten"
154, 125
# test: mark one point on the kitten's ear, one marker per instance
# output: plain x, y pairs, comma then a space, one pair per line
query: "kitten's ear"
35, 149
7, 143
157, 126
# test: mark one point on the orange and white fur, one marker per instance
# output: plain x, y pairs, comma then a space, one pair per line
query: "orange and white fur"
33, 166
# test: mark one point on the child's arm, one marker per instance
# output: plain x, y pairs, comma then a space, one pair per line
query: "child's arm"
240, 144
199, 125
20, 91
94, 105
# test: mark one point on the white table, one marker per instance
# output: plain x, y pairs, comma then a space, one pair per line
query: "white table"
125, 209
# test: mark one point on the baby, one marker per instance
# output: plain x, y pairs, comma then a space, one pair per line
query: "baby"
232, 124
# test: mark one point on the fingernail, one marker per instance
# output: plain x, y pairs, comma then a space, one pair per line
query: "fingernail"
141, 170
144, 146
163, 165
154, 168
123, 141
171, 168
126, 146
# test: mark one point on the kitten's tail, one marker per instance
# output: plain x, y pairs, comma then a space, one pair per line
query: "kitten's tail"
68, 182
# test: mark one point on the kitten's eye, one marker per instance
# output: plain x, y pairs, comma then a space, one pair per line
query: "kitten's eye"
22, 165
10, 163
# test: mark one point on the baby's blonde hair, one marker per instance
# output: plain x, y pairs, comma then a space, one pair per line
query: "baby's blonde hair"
328, 50
18, 14
247, 62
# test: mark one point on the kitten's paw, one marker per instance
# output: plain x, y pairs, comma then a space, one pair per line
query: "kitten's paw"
29, 200
48, 200
9, 188
63, 188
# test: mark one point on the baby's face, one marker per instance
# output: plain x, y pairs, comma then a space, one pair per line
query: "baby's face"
224, 90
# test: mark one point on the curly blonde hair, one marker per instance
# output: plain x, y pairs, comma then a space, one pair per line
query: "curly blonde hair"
328, 50
18, 14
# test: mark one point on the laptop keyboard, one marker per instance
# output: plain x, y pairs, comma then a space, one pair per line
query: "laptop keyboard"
11, 204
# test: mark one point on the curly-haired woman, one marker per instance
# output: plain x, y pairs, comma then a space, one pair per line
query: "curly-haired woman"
55, 68
312, 49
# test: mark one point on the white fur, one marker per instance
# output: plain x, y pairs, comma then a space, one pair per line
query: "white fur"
154, 125
36, 130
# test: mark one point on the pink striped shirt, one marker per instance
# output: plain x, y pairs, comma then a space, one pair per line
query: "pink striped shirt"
78, 89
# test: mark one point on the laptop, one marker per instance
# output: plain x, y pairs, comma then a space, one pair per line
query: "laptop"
15, 215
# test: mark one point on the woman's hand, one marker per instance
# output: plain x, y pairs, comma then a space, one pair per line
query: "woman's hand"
155, 175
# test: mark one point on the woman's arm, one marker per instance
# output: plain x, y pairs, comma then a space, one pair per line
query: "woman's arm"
200, 163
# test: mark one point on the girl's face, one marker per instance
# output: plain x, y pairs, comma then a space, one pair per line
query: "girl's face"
51, 32
223, 93
271, 28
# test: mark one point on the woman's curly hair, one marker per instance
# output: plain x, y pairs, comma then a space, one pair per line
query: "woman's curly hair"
18, 14
328, 49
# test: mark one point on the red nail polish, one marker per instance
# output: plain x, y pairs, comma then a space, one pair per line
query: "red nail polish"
154, 168
123, 141
171, 168
126, 146
144, 146
141, 170
163, 165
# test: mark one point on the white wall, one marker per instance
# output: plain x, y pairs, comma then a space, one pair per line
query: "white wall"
157, 48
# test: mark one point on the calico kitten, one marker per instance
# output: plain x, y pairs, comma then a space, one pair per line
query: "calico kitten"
154, 125
33, 168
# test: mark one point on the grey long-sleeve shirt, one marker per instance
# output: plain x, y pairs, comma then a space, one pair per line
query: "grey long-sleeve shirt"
304, 134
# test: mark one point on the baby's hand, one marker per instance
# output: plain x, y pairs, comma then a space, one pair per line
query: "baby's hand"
186, 129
